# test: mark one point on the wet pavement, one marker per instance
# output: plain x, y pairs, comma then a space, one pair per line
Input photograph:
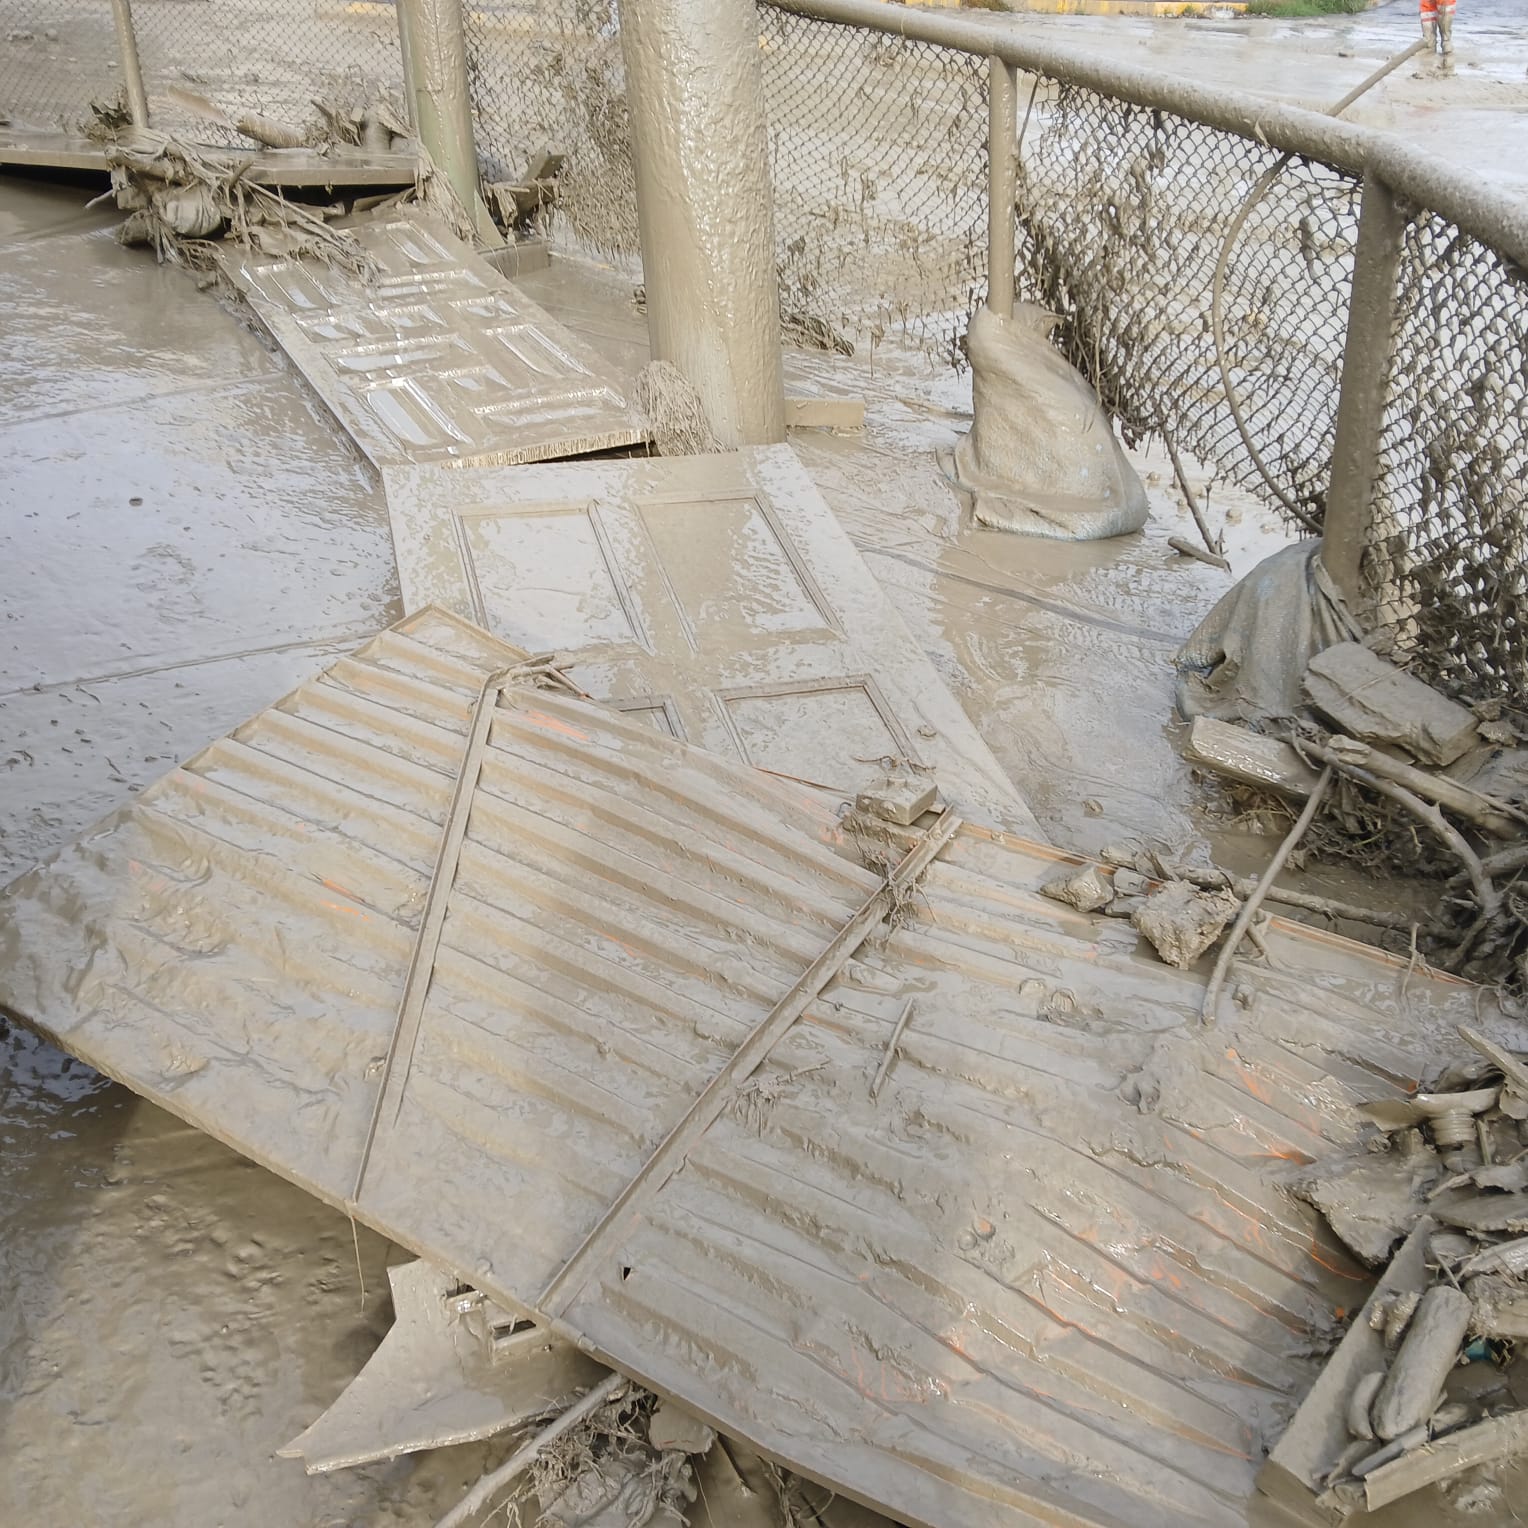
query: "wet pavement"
1476, 115
185, 534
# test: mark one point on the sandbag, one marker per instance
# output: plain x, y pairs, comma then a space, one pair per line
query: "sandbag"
1041, 458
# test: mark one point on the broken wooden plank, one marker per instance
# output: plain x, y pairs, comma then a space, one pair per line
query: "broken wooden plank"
1296, 1472
454, 1368
1486, 1442
1379, 703
803, 413
1249, 757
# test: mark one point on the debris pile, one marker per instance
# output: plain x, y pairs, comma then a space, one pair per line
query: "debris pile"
1419, 783
1426, 1385
179, 199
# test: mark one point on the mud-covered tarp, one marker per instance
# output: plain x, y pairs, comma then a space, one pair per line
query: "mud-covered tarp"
1048, 1274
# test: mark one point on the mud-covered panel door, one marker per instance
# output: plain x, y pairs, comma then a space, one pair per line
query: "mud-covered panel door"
717, 595
426, 354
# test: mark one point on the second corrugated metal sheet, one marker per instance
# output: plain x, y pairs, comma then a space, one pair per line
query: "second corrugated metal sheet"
1050, 1275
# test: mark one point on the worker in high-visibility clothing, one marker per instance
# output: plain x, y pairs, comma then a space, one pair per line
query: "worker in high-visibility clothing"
1438, 25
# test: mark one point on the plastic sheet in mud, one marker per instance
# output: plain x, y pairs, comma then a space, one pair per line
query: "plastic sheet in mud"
716, 596
1048, 1274
430, 355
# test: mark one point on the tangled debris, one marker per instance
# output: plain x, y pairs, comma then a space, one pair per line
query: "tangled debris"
1427, 1383
1421, 785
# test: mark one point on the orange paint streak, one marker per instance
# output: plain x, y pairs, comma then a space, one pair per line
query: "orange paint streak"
355, 912
552, 724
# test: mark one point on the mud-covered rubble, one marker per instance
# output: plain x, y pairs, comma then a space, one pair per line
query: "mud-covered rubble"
1427, 1384
1285, 704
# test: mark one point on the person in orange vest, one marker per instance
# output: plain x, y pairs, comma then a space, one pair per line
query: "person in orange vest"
1438, 25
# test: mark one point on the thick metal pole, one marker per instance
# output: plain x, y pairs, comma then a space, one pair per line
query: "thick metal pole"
132, 69
705, 206
1348, 526
1002, 182
434, 48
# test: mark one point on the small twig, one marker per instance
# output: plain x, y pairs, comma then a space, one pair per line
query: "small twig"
1259, 892
1411, 964
891, 1048
1188, 549
1214, 544
526, 1455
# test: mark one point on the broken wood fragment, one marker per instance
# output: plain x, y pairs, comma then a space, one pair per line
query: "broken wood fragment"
1379, 703
1484, 1443
1314, 1443
1186, 548
802, 413
1249, 757
891, 1048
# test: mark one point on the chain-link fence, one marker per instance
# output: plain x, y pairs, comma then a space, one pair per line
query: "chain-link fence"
1202, 281
56, 57
1448, 561
292, 61
205, 63
547, 75
879, 156
1202, 277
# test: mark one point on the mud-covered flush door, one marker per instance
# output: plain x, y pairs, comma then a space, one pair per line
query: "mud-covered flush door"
717, 595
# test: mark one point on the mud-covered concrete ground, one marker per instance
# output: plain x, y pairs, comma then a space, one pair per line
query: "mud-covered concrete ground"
185, 534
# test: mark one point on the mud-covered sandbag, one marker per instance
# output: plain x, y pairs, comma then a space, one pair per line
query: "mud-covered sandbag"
1247, 658
1041, 458
192, 211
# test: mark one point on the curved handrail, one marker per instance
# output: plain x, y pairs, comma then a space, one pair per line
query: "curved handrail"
1495, 217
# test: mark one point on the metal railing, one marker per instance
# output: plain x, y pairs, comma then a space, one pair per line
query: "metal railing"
1325, 314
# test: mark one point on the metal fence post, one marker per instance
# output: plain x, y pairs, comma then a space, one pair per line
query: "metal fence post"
1002, 182
434, 47
1348, 525
132, 69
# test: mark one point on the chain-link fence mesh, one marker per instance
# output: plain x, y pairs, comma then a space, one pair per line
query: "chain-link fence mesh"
879, 157
56, 57
1202, 281
1448, 560
548, 75
281, 59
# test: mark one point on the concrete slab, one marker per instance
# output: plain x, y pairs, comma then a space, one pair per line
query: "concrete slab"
716, 595
99, 325
440, 359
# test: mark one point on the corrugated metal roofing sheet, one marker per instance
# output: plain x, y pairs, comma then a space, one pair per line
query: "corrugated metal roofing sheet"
1049, 1275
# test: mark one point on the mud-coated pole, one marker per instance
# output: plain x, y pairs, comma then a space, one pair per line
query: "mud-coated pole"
132, 69
1002, 182
434, 47
705, 208
1348, 525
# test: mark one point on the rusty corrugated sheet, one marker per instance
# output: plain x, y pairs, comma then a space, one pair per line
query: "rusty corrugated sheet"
1049, 1275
